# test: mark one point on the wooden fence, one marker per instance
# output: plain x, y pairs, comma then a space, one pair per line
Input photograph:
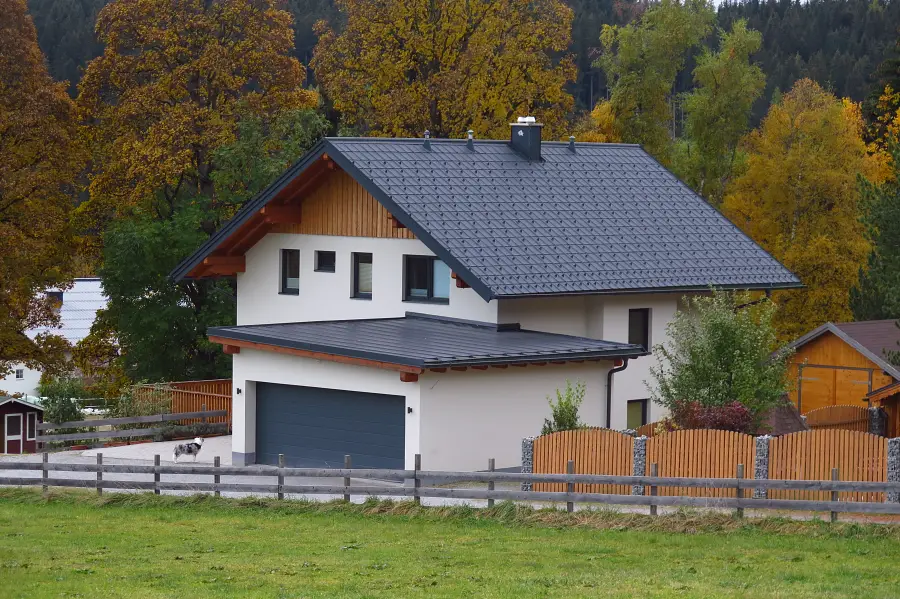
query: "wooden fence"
851, 418
812, 455
190, 396
279, 487
647, 430
599, 451
700, 453
199, 416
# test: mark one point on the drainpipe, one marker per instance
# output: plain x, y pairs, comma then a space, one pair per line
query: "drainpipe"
609, 379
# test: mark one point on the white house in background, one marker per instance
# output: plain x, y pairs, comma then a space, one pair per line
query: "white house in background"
414, 296
77, 310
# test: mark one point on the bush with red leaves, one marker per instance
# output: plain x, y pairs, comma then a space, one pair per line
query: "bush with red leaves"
730, 417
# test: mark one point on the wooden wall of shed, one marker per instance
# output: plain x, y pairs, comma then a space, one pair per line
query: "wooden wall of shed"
341, 206
833, 387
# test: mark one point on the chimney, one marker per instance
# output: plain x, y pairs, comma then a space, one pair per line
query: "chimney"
526, 137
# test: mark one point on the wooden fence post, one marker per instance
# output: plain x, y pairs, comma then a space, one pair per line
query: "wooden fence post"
280, 476
203, 409
99, 474
348, 463
45, 466
217, 461
490, 482
654, 471
416, 482
570, 487
835, 475
156, 474
739, 492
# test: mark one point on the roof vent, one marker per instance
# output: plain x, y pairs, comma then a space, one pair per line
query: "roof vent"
526, 137
427, 139
470, 137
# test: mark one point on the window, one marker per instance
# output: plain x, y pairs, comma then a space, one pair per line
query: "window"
639, 327
425, 279
290, 272
637, 413
325, 261
362, 276
56, 298
31, 427
20, 374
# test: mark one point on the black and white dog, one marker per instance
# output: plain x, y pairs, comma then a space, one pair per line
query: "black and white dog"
192, 448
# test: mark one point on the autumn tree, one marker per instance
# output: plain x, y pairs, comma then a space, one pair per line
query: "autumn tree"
642, 60
40, 158
718, 112
799, 200
169, 89
399, 68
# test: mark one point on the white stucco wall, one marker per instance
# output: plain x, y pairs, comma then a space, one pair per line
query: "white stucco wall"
327, 296
601, 317
251, 366
469, 417
27, 385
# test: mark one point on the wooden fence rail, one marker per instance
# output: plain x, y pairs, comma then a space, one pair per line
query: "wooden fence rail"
851, 418
416, 490
188, 396
126, 433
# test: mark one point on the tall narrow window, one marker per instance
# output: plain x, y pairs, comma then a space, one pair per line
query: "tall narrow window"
637, 413
362, 276
426, 279
31, 428
290, 272
639, 327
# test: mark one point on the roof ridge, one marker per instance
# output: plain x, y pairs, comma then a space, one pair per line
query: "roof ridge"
463, 140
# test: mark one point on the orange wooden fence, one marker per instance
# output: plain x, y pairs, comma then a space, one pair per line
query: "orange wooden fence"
701, 454
851, 418
594, 451
647, 430
191, 396
810, 455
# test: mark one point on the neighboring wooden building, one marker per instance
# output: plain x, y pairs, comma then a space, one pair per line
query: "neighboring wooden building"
840, 364
888, 399
18, 425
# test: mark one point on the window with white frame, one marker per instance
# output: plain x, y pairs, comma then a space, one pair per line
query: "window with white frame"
31, 428
20, 374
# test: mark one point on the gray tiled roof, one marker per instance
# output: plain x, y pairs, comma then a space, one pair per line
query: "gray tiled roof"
427, 341
78, 311
606, 218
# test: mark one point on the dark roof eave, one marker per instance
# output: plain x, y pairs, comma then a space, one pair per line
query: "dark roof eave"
567, 357
648, 290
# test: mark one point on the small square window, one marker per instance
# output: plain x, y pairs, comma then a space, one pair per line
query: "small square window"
325, 261
426, 279
637, 413
290, 272
20, 374
639, 327
362, 276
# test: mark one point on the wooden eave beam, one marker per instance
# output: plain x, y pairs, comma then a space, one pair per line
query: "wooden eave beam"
396, 224
253, 231
276, 214
480, 367
302, 353
409, 377
229, 264
231, 349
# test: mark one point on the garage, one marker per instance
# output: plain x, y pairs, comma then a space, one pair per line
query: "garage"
315, 427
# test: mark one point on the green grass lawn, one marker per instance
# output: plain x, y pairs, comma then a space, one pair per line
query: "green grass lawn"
73, 545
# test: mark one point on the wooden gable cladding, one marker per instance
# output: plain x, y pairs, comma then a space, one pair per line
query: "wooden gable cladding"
340, 206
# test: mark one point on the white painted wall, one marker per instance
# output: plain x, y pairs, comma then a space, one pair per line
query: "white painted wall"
251, 366
469, 417
601, 317
27, 385
327, 296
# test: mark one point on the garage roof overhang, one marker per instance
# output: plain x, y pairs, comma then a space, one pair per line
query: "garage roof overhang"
419, 342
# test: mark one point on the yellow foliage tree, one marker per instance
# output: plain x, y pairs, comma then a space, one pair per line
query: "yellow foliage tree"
600, 126
173, 80
799, 200
399, 68
40, 157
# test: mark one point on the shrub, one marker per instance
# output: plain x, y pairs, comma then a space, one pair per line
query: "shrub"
564, 409
58, 395
730, 417
718, 353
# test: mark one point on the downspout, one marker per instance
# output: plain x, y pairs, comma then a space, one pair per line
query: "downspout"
609, 378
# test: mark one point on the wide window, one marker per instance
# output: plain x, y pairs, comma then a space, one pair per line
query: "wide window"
290, 272
637, 413
20, 374
425, 279
325, 261
639, 327
362, 276
32, 426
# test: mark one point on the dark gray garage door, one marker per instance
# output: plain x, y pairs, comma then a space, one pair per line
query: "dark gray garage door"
316, 427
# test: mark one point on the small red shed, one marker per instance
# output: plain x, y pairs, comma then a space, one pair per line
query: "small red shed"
18, 425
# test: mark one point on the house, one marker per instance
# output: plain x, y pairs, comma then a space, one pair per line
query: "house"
417, 296
888, 399
19, 420
78, 307
839, 364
